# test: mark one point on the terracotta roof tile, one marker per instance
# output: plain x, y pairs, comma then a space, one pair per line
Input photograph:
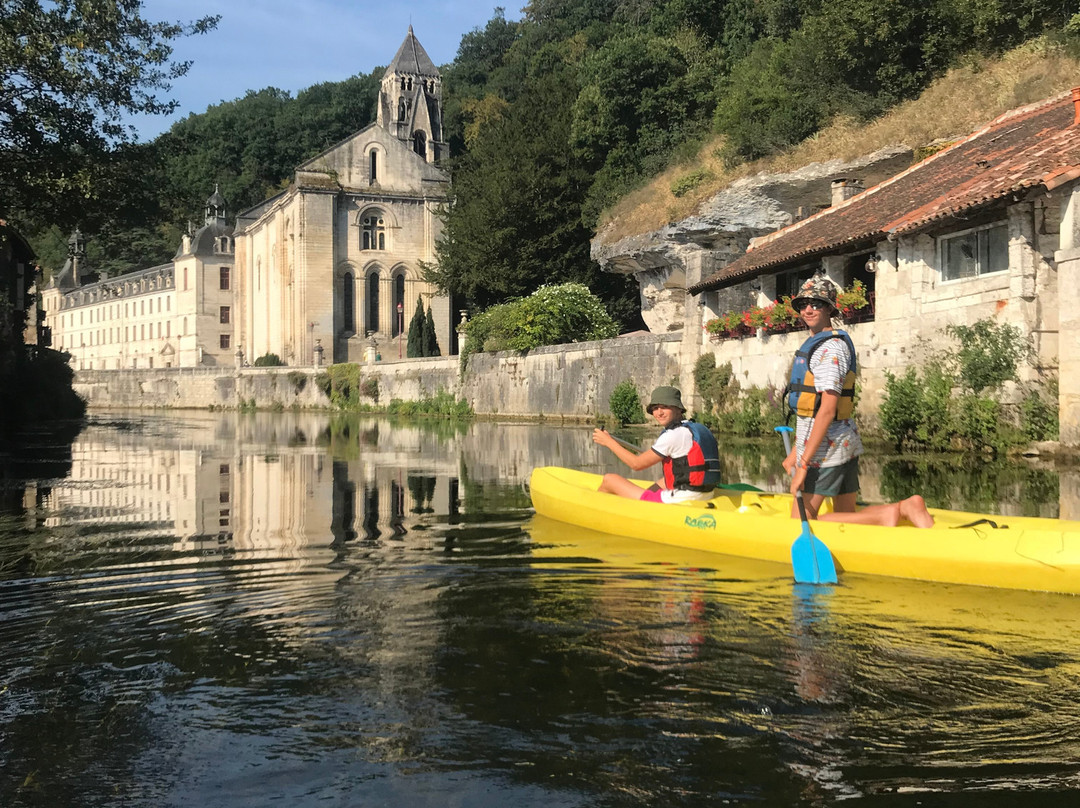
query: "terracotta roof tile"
1036, 145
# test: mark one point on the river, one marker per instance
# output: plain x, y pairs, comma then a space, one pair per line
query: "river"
221, 609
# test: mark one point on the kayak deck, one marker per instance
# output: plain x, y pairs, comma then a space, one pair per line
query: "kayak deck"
968, 548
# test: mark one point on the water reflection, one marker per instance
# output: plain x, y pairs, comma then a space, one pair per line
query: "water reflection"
236, 609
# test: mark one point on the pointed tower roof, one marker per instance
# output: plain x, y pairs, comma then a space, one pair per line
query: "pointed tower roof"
412, 58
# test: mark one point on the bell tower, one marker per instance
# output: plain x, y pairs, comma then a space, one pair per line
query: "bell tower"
410, 101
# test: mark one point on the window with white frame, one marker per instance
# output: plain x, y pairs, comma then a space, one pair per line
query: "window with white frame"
975, 252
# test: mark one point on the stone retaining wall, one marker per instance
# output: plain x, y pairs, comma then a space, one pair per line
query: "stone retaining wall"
570, 381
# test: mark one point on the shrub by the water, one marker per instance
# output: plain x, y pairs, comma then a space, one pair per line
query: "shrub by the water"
625, 404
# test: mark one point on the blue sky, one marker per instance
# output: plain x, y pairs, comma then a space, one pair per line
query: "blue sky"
292, 45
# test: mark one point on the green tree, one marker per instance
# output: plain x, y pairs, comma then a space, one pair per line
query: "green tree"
642, 96
69, 72
415, 344
430, 339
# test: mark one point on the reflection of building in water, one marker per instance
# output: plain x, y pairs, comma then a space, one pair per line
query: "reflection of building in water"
201, 488
256, 483
399, 475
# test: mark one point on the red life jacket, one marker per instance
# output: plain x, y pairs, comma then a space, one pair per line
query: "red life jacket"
699, 470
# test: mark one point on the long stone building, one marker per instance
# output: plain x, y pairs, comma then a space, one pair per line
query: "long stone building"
332, 267
178, 314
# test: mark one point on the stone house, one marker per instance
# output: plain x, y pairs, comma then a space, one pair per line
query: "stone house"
331, 268
987, 227
177, 314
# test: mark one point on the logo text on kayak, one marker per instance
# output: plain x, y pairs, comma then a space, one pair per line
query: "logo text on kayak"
703, 522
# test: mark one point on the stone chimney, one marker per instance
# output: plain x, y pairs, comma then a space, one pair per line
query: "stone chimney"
845, 189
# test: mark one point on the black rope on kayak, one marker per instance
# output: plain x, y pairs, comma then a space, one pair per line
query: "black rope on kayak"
990, 522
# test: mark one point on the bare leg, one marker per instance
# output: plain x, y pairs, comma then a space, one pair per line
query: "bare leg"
616, 484
812, 502
913, 509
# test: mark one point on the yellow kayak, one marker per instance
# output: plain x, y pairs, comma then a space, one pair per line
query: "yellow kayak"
1013, 552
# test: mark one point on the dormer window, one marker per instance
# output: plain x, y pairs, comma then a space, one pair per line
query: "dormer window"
975, 252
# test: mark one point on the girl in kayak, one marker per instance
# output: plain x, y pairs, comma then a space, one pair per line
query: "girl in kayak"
687, 450
824, 461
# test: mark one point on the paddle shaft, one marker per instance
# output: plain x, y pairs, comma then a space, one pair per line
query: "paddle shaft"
785, 433
624, 444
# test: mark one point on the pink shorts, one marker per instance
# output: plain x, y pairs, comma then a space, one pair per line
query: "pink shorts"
651, 496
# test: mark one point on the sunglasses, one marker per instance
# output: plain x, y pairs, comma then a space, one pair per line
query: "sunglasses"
816, 305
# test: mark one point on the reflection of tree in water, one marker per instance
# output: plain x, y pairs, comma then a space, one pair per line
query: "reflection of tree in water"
486, 496
961, 484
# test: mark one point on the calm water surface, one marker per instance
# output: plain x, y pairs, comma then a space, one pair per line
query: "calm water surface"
227, 610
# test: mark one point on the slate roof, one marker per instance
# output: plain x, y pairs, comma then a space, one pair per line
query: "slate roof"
1033, 146
411, 58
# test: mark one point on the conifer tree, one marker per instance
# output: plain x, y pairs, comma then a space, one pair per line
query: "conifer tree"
415, 346
431, 341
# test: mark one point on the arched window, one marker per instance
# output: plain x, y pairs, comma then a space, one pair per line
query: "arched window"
419, 143
348, 317
401, 109
399, 300
372, 323
373, 166
373, 232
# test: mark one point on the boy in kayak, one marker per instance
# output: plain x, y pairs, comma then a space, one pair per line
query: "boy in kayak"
687, 450
824, 462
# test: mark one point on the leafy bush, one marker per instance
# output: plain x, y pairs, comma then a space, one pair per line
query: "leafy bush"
688, 182
442, 404
988, 354
980, 424
625, 404
270, 360
551, 315
921, 412
901, 409
714, 384
344, 385
1039, 415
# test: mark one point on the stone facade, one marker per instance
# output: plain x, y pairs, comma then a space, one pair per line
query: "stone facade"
178, 314
334, 264
912, 305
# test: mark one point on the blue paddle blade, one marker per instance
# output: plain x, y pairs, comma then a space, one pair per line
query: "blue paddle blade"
811, 560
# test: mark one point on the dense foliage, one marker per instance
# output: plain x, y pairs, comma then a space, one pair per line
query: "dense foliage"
551, 315
954, 401
69, 72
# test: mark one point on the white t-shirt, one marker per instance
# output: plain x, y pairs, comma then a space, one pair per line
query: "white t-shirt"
830, 364
674, 443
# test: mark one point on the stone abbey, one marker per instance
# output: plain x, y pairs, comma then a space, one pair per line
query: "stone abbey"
329, 270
